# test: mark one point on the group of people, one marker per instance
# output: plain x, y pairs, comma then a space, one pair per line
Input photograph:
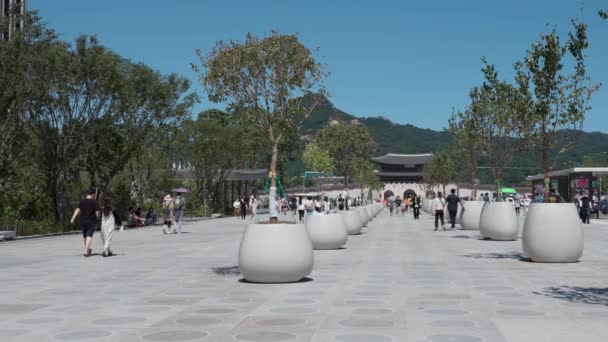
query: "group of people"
89, 216
412, 202
243, 206
140, 218
439, 204
173, 210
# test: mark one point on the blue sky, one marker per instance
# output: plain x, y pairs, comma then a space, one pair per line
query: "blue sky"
410, 61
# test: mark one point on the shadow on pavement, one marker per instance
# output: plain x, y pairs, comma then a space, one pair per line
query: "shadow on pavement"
303, 280
228, 270
575, 294
511, 255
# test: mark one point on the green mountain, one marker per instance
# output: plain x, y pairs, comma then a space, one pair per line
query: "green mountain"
398, 138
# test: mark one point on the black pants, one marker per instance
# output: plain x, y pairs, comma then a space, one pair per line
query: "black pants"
301, 214
244, 213
453, 213
416, 212
438, 215
584, 214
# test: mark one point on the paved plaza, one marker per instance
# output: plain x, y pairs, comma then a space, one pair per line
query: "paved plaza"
399, 281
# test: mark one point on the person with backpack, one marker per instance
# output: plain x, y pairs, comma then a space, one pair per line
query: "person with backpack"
437, 206
583, 207
453, 201
179, 203
167, 214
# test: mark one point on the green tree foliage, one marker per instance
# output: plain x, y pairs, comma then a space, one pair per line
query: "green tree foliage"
22, 64
466, 143
440, 171
317, 159
77, 115
501, 121
365, 175
214, 146
347, 144
556, 98
262, 79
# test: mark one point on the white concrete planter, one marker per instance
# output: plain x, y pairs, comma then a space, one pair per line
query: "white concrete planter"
362, 216
472, 214
370, 212
446, 214
352, 222
326, 231
499, 222
275, 253
553, 233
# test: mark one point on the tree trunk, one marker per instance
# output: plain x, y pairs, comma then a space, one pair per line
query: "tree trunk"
473, 173
272, 193
545, 165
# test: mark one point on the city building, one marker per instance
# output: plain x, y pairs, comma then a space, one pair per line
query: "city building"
570, 182
401, 175
6, 8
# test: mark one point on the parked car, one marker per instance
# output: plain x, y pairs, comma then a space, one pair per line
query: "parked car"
603, 206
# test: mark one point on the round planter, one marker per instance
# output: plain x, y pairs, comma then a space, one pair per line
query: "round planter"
362, 216
352, 222
275, 253
370, 212
426, 205
326, 231
499, 222
553, 233
472, 214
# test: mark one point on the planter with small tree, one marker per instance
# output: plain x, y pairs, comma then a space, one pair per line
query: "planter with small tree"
264, 82
557, 103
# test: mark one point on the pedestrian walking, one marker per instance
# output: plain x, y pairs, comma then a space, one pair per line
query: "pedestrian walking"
253, 203
453, 201
416, 203
237, 208
583, 205
87, 214
517, 206
168, 212
109, 220
179, 204
437, 206
301, 209
243, 206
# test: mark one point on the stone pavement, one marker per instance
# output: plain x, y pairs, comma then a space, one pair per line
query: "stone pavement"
399, 281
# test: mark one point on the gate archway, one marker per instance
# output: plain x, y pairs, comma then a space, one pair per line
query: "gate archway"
409, 193
388, 194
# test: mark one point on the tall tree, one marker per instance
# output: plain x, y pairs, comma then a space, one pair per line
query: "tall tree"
263, 79
501, 121
466, 143
556, 99
22, 64
440, 171
347, 144
78, 88
214, 148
